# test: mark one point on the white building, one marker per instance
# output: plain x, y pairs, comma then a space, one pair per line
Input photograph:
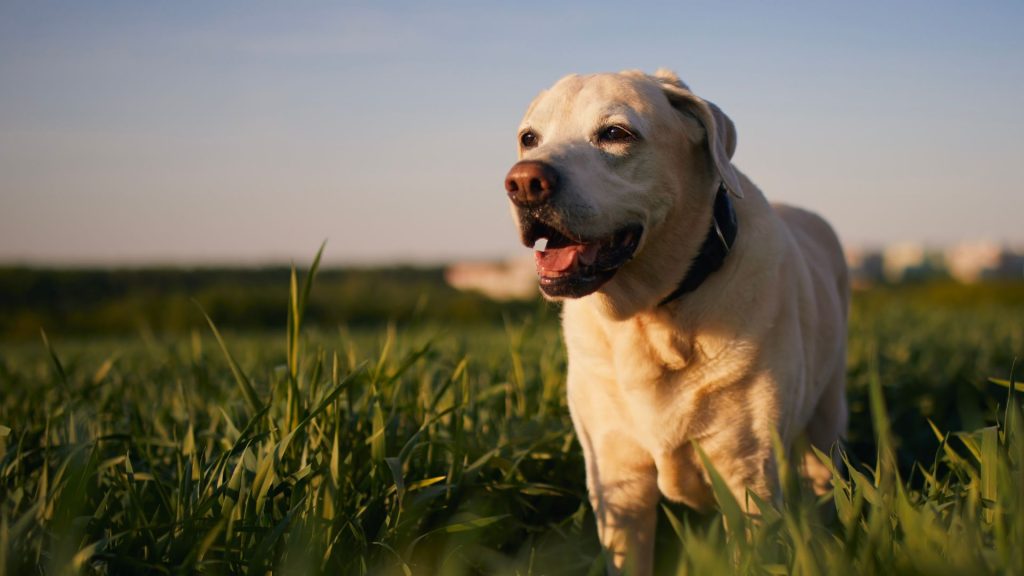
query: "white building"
902, 260
968, 262
509, 280
974, 261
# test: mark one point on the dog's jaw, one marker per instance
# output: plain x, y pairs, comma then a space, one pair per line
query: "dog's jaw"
574, 269
659, 264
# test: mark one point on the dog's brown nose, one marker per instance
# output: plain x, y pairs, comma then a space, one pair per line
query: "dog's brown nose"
530, 183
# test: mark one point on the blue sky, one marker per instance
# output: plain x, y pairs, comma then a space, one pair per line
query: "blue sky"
242, 132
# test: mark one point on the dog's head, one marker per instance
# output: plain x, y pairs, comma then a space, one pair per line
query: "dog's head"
617, 176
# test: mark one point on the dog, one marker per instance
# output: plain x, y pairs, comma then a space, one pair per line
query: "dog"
697, 317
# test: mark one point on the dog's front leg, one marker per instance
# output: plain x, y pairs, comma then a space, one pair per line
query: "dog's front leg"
622, 481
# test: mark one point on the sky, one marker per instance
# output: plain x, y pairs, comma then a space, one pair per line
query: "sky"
183, 132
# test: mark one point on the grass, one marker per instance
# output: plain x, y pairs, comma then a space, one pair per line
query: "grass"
427, 450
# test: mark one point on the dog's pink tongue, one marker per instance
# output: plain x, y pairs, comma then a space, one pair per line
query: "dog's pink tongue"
554, 261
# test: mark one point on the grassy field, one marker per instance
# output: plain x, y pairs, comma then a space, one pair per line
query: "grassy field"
432, 449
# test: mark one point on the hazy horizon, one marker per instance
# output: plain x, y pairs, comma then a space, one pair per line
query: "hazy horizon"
200, 134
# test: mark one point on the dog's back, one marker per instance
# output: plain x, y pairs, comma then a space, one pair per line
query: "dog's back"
821, 249
825, 310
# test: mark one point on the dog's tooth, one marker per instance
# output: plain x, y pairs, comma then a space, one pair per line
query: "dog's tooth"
541, 244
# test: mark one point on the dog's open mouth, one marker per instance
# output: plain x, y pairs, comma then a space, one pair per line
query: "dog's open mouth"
573, 268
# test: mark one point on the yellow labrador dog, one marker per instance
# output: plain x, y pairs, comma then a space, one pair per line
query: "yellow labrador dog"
695, 312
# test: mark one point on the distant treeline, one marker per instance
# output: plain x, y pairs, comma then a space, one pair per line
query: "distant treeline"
119, 301
72, 302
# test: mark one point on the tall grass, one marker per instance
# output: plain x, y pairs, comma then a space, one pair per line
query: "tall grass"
428, 451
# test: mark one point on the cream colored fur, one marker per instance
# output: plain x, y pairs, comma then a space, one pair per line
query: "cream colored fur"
757, 349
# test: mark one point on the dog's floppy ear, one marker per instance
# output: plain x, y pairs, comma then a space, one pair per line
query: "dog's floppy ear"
721, 133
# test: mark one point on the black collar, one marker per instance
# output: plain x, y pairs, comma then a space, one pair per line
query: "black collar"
715, 248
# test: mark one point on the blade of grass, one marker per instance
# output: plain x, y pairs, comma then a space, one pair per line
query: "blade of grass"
248, 393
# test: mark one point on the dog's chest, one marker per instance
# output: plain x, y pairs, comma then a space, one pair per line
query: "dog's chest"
654, 371
657, 380
649, 351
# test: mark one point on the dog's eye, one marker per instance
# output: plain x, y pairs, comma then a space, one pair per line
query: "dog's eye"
528, 139
616, 134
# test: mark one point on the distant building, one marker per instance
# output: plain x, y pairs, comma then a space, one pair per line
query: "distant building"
905, 262
866, 266
971, 262
509, 280
910, 261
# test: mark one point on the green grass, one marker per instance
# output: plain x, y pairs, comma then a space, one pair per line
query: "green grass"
438, 450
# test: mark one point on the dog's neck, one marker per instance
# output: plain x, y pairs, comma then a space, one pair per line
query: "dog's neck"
716, 246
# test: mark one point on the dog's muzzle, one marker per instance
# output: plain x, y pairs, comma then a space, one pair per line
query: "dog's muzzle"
568, 265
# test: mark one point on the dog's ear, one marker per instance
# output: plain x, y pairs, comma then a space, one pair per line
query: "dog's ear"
721, 133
